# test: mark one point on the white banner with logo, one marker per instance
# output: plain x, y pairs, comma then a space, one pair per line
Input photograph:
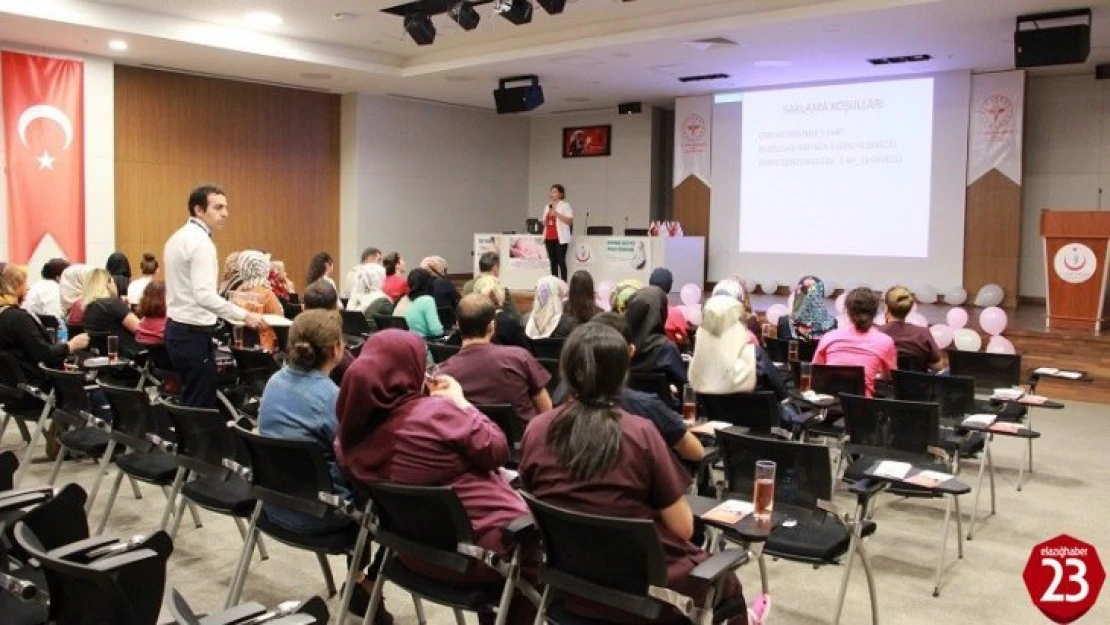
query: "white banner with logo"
997, 114
612, 255
693, 131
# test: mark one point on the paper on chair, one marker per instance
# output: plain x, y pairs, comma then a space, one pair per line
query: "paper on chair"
1006, 428
729, 512
710, 427
892, 469
1046, 371
979, 420
929, 479
1071, 375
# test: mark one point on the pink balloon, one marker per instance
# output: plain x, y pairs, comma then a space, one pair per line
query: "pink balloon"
840, 302
957, 318
604, 290
776, 311
917, 319
943, 335
993, 321
690, 294
692, 314
603, 303
1000, 345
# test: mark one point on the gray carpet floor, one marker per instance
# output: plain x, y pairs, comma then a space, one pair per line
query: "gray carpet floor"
1067, 493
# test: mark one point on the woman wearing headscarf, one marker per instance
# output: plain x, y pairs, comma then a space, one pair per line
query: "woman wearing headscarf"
724, 359
508, 328
71, 286
734, 288
395, 426
120, 267
646, 316
254, 294
229, 281
809, 319
280, 283
443, 289
367, 295
548, 319
676, 321
625, 289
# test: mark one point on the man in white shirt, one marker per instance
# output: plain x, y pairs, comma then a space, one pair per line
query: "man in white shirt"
44, 297
369, 255
192, 304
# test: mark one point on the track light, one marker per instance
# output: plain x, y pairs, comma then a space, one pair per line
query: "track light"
465, 15
553, 7
518, 12
420, 27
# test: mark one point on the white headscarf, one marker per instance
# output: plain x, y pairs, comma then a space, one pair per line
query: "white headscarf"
367, 287
724, 359
72, 285
254, 269
547, 309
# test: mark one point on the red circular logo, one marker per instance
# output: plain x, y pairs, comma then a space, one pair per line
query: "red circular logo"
1064, 576
693, 128
996, 114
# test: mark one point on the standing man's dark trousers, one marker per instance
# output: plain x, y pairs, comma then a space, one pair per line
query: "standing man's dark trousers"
557, 256
192, 356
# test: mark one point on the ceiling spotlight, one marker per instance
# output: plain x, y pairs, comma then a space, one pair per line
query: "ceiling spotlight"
516, 11
119, 45
554, 7
465, 15
420, 27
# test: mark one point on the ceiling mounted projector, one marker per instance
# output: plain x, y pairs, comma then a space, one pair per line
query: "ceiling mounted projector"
465, 15
518, 12
553, 7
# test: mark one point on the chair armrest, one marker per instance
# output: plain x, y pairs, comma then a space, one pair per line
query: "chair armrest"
34, 391
116, 563
94, 420
16, 499
865, 489
720, 563
237, 469
83, 549
21, 589
165, 445
346, 507
236, 615
518, 529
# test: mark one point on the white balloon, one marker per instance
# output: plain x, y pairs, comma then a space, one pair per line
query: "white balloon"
989, 295
968, 340
769, 286
749, 284
955, 296
925, 294
1000, 345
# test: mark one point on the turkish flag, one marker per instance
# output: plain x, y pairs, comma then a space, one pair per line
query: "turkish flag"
44, 140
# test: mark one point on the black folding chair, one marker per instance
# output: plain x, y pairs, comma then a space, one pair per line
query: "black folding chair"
505, 418
82, 432
758, 412
355, 324
955, 397
552, 367
833, 380
548, 348
25, 403
779, 349
447, 318
619, 563
991, 371
803, 494
902, 431
442, 351
291, 309
293, 475
429, 523
384, 322
653, 383
255, 367
314, 610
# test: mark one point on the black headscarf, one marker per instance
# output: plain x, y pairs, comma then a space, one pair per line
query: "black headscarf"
120, 268
646, 315
662, 278
420, 283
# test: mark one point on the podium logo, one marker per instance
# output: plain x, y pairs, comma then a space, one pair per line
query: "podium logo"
582, 254
1075, 263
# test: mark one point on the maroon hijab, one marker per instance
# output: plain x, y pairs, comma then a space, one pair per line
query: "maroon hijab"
379, 390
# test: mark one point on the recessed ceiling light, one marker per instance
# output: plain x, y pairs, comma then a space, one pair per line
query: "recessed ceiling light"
118, 45
344, 16
262, 19
771, 63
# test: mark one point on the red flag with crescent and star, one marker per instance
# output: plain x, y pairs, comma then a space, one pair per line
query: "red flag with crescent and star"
44, 140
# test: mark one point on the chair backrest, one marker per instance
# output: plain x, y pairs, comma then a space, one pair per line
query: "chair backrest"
48, 321
204, 440
890, 425
911, 362
806, 464
447, 318
384, 322
836, 379
287, 473
9, 464
610, 560
552, 367
255, 368
355, 323
69, 389
291, 309
55, 523
505, 417
135, 417
442, 351
122, 590
779, 349
548, 348
990, 371
758, 411
955, 394
98, 342
651, 382
427, 522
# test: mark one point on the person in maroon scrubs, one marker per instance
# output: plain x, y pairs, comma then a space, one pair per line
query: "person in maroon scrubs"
591, 456
394, 426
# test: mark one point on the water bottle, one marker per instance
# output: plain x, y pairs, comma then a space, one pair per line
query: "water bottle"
63, 332
789, 486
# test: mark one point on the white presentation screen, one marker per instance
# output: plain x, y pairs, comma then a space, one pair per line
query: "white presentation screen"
858, 183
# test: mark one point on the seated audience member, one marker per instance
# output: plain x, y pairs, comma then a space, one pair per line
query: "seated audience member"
593, 457
370, 255
489, 264
734, 288
397, 426
809, 319
582, 298
319, 268
646, 315
547, 319
119, 267
724, 361
280, 283
443, 290
44, 297
913, 343
71, 287
321, 295
152, 315
254, 294
367, 295
508, 327
648, 405
495, 374
149, 268
421, 314
395, 285
622, 293
230, 281
24, 338
861, 344
104, 311
299, 403
676, 321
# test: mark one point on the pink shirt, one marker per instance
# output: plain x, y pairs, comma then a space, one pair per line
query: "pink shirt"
675, 326
872, 350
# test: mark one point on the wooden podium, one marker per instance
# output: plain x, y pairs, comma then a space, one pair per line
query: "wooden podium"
1076, 251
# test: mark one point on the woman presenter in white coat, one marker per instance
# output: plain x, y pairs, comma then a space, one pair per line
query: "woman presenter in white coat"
558, 217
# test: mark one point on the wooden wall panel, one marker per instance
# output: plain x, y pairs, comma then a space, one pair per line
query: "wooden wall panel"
275, 151
691, 207
992, 235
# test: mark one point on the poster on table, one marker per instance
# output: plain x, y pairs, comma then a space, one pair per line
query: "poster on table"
485, 243
612, 255
527, 252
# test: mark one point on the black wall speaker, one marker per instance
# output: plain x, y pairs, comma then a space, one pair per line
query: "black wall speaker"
1052, 45
518, 99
